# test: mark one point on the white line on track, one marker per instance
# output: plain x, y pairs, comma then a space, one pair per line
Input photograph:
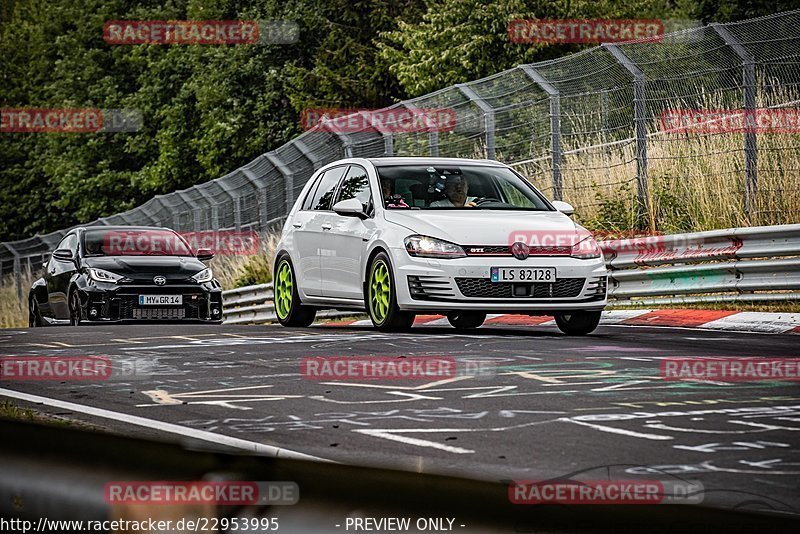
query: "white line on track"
250, 446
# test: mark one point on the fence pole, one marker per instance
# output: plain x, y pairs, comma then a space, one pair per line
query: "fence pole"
17, 272
749, 97
488, 117
288, 177
555, 127
347, 143
433, 132
315, 161
640, 121
214, 209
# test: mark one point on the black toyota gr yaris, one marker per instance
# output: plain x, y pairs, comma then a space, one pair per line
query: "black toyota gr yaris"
125, 273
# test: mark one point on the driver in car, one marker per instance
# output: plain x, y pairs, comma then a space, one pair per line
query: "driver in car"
455, 189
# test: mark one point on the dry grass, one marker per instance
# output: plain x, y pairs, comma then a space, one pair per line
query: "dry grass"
244, 270
14, 314
696, 183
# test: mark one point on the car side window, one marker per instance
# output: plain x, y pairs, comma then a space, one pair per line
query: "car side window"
70, 242
356, 185
323, 196
307, 203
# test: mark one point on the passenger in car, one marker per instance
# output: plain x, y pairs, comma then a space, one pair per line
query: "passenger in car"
455, 189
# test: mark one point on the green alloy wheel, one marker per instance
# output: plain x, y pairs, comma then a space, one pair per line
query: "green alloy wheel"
288, 308
381, 298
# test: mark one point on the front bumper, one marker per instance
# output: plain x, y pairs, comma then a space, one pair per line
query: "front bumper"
464, 284
120, 303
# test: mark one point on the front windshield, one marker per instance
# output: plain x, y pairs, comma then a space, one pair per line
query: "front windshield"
134, 242
457, 186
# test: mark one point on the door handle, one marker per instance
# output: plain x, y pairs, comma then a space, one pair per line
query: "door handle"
297, 225
326, 226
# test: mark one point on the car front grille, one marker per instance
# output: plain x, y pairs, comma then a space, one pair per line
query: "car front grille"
504, 250
485, 288
126, 306
159, 313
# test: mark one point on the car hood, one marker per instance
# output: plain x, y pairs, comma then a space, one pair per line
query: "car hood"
486, 227
146, 267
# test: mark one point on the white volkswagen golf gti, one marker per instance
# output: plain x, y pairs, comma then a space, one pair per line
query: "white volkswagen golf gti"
459, 237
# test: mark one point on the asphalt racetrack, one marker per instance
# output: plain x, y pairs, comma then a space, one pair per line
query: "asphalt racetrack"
543, 405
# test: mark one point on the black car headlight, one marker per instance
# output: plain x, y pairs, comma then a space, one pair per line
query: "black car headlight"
203, 276
429, 247
101, 275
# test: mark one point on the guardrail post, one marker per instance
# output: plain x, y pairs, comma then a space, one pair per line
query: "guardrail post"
433, 133
555, 127
749, 97
488, 117
288, 177
640, 121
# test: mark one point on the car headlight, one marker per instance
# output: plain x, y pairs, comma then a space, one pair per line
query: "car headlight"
100, 275
203, 276
429, 247
586, 249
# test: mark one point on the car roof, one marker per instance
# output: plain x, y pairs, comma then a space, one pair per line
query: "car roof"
382, 162
124, 228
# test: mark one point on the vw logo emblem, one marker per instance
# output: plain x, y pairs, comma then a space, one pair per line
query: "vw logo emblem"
159, 280
520, 250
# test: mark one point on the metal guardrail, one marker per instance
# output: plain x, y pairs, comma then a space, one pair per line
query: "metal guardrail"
734, 265
253, 304
738, 264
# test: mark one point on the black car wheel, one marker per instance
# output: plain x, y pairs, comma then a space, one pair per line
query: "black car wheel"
466, 320
34, 317
578, 323
75, 312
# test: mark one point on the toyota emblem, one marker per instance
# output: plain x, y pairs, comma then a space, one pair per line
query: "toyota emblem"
159, 280
520, 250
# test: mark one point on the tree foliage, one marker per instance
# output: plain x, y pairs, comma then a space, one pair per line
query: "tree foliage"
210, 109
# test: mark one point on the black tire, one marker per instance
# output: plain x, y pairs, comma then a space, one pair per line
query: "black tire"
578, 323
298, 314
466, 320
34, 315
75, 310
394, 319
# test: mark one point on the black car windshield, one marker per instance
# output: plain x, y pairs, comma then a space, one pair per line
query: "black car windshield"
134, 242
456, 187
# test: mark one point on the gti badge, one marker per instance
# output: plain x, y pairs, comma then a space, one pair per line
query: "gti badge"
520, 250
159, 280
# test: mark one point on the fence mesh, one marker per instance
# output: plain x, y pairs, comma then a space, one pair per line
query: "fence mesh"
586, 128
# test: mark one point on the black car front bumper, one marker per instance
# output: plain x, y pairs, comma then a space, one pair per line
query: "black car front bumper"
201, 303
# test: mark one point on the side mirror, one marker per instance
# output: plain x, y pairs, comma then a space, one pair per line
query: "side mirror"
64, 254
204, 254
350, 208
563, 207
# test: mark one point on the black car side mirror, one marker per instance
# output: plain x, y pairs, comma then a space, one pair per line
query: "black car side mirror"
204, 254
64, 254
